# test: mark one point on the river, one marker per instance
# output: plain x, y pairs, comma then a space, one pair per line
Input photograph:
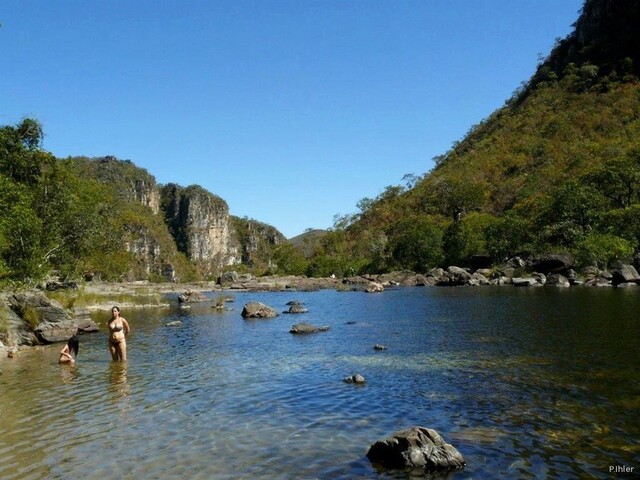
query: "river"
525, 382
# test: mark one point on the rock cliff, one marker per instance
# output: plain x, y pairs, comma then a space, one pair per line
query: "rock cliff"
255, 240
168, 219
199, 223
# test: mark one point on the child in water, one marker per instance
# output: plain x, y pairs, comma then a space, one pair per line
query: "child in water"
71, 347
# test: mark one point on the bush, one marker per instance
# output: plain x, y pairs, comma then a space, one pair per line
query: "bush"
602, 250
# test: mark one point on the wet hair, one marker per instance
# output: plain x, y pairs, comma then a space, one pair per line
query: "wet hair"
74, 345
116, 308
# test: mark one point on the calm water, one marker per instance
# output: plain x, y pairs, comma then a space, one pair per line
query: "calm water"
526, 383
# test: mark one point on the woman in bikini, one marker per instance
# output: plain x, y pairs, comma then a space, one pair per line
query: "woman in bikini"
70, 348
118, 330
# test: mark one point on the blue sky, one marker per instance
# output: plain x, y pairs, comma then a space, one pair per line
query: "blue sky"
290, 110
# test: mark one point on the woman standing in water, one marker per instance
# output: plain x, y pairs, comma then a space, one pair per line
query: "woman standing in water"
70, 348
118, 330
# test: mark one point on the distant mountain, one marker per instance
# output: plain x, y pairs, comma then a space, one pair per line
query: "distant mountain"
308, 241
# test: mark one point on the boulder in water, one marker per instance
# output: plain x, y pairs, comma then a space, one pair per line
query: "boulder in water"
416, 448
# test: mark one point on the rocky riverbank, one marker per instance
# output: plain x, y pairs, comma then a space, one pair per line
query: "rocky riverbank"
47, 315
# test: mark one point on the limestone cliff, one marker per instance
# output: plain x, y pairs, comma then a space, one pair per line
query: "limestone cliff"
163, 222
199, 223
255, 241
130, 182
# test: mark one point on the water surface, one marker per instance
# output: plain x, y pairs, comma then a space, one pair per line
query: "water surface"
526, 383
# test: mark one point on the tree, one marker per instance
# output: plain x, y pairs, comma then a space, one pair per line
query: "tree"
602, 250
456, 197
21, 159
289, 260
618, 180
415, 243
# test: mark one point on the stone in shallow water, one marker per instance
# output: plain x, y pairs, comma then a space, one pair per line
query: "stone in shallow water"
258, 310
357, 378
302, 328
416, 447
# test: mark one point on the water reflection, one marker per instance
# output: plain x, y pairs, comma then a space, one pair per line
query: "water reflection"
118, 382
68, 372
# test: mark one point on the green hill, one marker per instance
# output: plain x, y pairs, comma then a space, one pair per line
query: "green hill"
557, 169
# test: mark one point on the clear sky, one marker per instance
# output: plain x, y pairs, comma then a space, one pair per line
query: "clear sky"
290, 110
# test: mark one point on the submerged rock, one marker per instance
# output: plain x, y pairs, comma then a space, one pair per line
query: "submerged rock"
296, 308
416, 448
307, 328
357, 378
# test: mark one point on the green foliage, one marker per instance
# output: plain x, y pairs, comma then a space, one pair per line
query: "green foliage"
289, 260
465, 238
30, 315
259, 243
508, 236
84, 298
416, 244
571, 214
602, 250
618, 180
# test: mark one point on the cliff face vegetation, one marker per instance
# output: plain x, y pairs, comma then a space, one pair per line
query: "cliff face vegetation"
557, 169
108, 218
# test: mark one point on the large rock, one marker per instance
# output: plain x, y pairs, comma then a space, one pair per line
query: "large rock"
17, 332
480, 262
82, 317
193, 297
625, 274
228, 278
356, 378
258, 310
416, 448
525, 282
557, 280
374, 287
552, 263
453, 277
49, 320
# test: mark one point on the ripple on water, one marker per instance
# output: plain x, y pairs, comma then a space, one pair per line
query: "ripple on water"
219, 397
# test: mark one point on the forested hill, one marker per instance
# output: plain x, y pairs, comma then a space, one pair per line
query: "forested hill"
557, 169
108, 218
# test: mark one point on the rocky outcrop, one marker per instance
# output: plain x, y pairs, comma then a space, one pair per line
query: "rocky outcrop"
258, 310
374, 287
557, 280
49, 320
133, 183
15, 332
416, 448
552, 263
199, 223
605, 35
254, 241
625, 274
